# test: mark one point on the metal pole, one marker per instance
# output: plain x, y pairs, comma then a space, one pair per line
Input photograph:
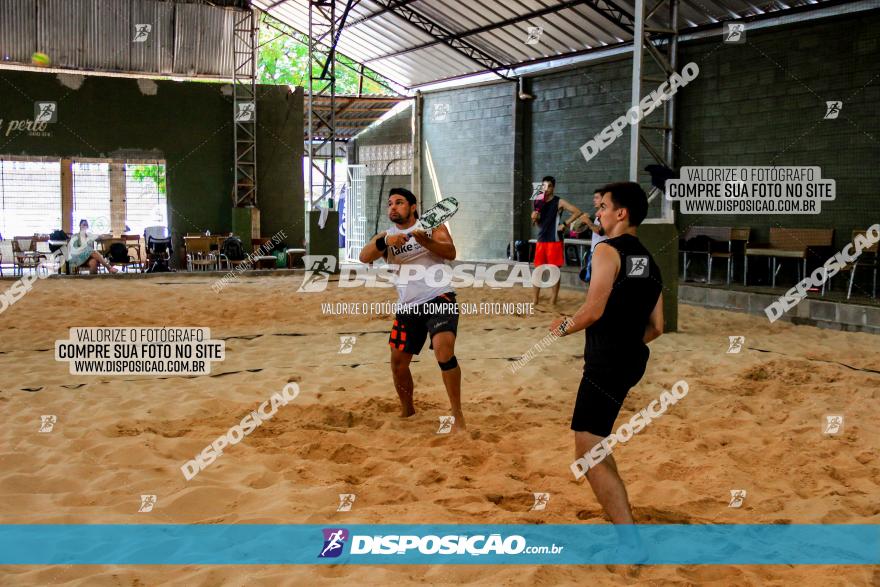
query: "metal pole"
666, 206
638, 40
311, 134
417, 148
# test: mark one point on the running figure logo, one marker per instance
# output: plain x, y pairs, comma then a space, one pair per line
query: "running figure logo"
534, 37
734, 32
439, 112
334, 540
141, 32
833, 424
636, 266
147, 503
346, 500
736, 344
245, 112
318, 270
47, 423
832, 109
541, 500
737, 496
45, 112
446, 423
346, 344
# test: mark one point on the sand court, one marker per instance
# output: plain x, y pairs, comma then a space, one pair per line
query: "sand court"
751, 420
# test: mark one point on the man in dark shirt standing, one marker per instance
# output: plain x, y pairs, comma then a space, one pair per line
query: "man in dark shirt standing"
549, 249
622, 313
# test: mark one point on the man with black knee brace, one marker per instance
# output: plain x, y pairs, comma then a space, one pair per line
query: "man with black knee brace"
426, 309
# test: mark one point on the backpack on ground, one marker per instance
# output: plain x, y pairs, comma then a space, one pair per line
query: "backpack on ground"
118, 253
233, 249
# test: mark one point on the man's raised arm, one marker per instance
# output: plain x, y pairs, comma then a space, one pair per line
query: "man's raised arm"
371, 251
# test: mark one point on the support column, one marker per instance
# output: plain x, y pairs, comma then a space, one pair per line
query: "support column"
520, 210
321, 140
67, 196
117, 198
244, 98
663, 50
636, 94
416, 186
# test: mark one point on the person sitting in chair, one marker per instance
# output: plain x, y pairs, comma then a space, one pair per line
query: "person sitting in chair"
82, 253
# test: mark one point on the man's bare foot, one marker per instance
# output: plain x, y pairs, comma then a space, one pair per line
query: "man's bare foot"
407, 410
459, 425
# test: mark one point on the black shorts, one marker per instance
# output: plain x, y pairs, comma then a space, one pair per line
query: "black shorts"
410, 329
601, 394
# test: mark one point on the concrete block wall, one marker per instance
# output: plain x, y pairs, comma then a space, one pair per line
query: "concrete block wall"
763, 103
569, 108
472, 155
758, 103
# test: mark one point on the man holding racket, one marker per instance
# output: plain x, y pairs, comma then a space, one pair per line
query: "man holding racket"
427, 310
549, 251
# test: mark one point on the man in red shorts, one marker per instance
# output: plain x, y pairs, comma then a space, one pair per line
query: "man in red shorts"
546, 216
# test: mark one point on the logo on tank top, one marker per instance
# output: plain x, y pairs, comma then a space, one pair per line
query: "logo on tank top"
636, 266
411, 249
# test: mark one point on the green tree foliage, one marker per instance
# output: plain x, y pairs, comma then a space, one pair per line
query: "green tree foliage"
283, 60
154, 172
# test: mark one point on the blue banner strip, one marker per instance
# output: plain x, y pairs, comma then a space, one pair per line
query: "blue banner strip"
220, 544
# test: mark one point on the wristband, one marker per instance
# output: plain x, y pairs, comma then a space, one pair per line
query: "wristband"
381, 244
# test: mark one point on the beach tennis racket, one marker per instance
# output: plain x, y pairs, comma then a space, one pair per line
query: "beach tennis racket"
438, 214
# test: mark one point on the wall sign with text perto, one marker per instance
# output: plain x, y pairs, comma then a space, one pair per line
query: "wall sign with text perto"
31, 127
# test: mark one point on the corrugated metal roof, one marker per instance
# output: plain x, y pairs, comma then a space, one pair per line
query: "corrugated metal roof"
187, 38
401, 51
19, 40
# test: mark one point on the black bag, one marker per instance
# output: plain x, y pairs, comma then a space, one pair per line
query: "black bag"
57, 239
59, 235
118, 253
233, 249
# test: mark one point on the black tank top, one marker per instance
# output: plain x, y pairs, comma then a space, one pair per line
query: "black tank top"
548, 221
615, 339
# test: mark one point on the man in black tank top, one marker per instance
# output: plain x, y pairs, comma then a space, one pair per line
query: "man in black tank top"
549, 248
622, 313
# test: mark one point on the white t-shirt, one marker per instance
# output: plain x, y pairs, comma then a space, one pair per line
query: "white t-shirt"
417, 291
596, 238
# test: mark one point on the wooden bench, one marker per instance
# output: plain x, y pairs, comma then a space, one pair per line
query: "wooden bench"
791, 243
716, 242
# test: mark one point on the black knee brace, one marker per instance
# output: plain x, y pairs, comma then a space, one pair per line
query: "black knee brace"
447, 365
